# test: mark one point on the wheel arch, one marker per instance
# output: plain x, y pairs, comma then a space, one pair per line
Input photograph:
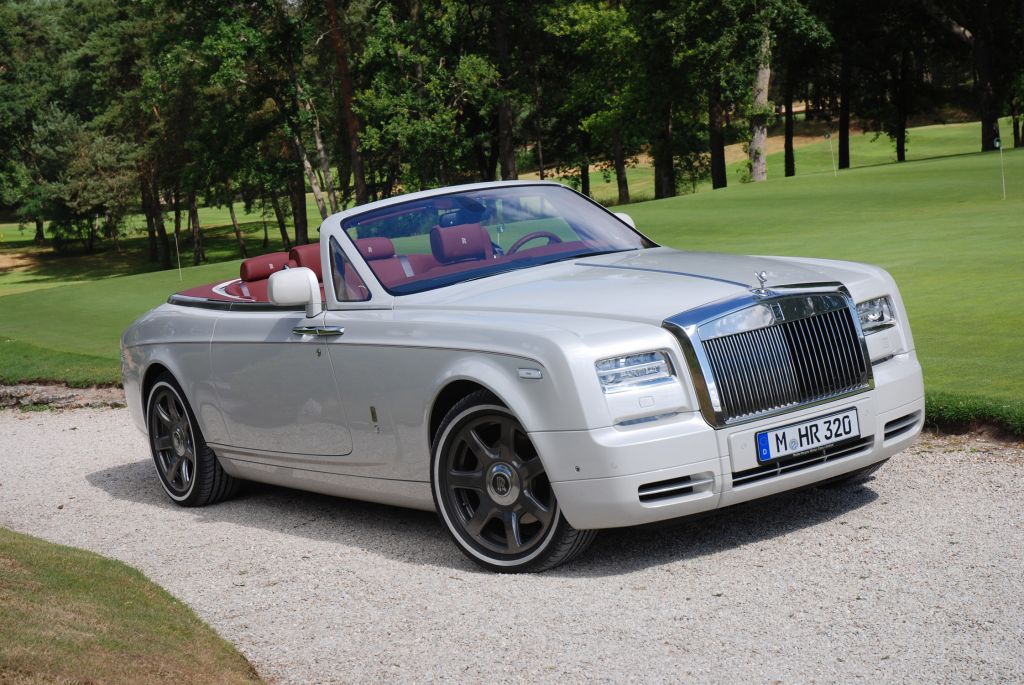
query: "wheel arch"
497, 374
153, 371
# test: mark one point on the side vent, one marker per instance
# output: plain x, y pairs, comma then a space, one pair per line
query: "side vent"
676, 487
904, 424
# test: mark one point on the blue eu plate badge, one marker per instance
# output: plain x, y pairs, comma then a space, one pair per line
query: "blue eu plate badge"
764, 453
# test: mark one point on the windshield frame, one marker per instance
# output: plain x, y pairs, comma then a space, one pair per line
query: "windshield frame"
392, 206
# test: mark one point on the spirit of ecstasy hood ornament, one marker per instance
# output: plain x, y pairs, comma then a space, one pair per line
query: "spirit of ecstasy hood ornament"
762, 278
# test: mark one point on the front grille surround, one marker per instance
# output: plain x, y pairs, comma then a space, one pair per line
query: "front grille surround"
759, 355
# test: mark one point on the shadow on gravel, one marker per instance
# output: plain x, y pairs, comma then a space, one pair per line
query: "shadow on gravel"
622, 550
417, 537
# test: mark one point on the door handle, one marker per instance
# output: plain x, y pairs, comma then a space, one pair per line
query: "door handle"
321, 331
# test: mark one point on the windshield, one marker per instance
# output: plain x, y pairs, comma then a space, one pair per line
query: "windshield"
438, 241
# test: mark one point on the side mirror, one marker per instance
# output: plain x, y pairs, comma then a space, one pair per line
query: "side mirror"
296, 286
626, 219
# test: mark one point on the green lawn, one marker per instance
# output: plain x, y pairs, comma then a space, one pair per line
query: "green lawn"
70, 616
939, 224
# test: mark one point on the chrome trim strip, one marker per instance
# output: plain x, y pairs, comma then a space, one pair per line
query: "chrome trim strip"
204, 303
661, 271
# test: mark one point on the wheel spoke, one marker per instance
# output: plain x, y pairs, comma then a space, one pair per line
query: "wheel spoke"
512, 538
532, 505
172, 472
467, 480
478, 446
506, 441
531, 469
162, 415
484, 513
162, 442
172, 405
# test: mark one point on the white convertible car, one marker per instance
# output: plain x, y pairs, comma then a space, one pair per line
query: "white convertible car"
527, 364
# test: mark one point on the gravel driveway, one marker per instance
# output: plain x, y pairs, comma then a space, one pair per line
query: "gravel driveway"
918, 575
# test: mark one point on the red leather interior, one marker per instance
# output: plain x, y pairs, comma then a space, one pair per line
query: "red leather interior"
258, 268
375, 248
309, 257
460, 243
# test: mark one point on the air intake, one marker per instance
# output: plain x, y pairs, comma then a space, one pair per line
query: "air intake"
902, 425
676, 487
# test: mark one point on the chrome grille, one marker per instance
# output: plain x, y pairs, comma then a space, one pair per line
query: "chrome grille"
758, 356
791, 363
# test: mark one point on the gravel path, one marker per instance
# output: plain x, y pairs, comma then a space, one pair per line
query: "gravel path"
916, 576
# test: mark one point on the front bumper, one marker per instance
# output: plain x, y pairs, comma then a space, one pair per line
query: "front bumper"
677, 466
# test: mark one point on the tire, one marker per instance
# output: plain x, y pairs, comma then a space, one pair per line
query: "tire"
492, 494
187, 468
853, 477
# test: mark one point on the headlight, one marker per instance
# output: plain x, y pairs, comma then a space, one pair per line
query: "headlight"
876, 315
633, 371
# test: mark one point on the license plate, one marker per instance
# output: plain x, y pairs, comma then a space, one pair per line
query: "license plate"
807, 435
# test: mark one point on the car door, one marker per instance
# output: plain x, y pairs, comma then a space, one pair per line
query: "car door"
276, 387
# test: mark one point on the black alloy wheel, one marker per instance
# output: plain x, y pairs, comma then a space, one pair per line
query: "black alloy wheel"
492, 493
188, 469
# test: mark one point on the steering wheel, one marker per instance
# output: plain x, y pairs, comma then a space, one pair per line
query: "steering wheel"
517, 245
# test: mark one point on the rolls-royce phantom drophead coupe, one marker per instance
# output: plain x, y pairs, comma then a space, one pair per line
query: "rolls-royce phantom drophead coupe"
529, 365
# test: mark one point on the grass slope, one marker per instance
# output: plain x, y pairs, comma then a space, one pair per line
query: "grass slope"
67, 615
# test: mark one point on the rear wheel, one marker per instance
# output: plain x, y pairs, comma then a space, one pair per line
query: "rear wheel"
492, 493
187, 467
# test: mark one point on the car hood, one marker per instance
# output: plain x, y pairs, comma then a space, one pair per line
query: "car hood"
648, 285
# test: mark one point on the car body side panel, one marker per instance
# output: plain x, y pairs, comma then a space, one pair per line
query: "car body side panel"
277, 390
180, 342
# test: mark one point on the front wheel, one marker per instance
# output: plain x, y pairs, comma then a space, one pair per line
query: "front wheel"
492, 493
187, 467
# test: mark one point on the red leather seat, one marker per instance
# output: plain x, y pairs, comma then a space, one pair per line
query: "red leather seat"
468, 242
309, 257
389, 268
259, 268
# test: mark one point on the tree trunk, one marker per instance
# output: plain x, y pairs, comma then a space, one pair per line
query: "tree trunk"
347, 114
325, 162
662, 151
40, 236
263, 214
986, 91
585, 178
198, 253
314, 184
844, 112
538, 125
297, 195
147, 209
281, 223
1017, 142
619, 159
163, 244
759, 122
177, 217
506, 135
716, 137
902, 106
788, 97
234, 221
